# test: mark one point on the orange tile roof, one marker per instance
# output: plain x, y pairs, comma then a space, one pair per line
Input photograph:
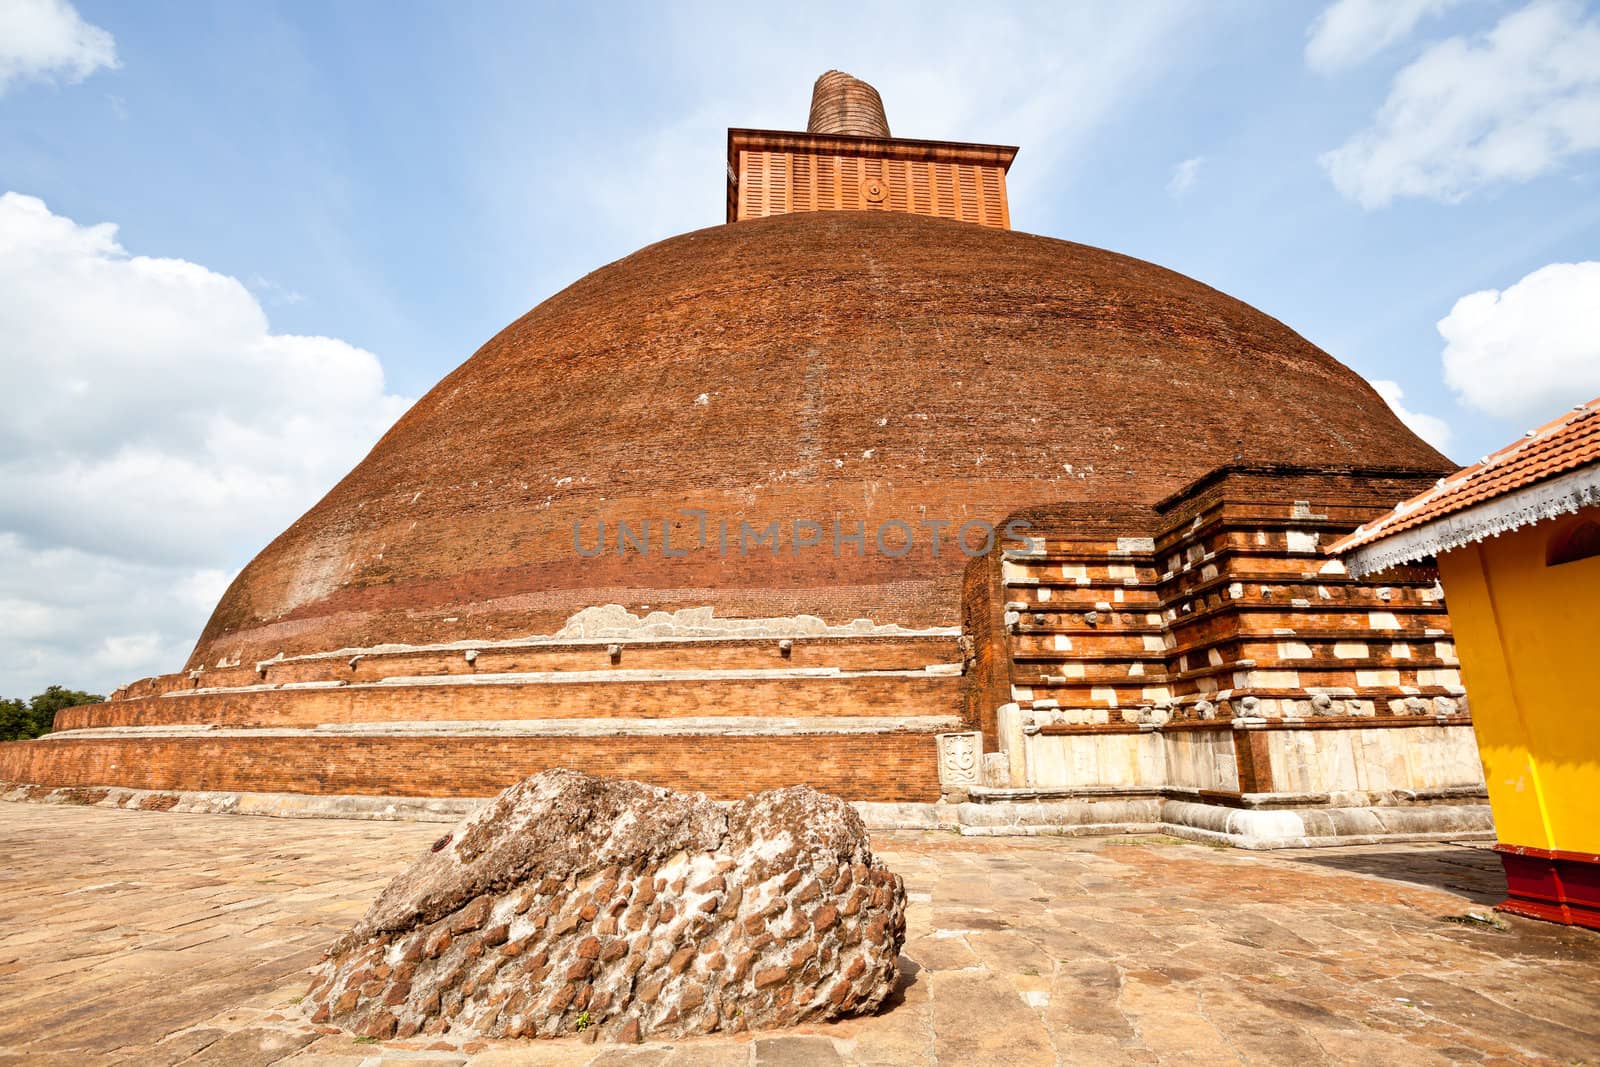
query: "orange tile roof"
1564, 444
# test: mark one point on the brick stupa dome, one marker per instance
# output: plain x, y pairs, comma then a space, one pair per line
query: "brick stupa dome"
865, 366
866, 353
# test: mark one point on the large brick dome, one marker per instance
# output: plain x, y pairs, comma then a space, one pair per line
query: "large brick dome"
856, 366
859, 398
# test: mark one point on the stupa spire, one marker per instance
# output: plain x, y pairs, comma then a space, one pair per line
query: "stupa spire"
844, 104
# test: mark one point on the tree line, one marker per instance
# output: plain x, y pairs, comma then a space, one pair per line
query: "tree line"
21, 720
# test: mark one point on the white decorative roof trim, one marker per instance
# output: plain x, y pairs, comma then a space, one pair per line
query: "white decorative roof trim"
1523, 507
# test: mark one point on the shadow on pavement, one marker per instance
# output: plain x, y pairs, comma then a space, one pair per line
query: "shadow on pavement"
1473, 872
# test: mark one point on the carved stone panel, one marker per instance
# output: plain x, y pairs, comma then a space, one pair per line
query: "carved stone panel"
958, 759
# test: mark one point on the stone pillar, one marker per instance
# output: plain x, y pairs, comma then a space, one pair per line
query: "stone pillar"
1008, 719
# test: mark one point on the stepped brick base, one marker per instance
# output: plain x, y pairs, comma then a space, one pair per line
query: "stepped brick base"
854, 713
874, 766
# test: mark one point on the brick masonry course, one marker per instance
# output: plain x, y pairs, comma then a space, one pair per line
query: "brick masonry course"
883, 766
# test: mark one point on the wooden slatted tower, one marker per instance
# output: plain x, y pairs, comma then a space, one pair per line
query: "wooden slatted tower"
846, 161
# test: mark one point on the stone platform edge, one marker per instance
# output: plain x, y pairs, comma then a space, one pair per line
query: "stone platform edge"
1260, 828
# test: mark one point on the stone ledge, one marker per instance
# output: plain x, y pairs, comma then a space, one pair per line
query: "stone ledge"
1241, 828
686, 726
878, 815
1322, 827
978, 794
275, 805
618, 676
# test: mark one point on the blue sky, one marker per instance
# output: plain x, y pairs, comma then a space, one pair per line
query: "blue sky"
391, 183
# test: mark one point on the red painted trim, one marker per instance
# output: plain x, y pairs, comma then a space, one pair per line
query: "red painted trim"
1548, 854
1554, 885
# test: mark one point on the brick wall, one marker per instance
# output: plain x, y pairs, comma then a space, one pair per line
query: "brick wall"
882, 767
844, 653
776, 698
1218, 601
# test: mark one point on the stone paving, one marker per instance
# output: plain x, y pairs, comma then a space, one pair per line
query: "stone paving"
160, 938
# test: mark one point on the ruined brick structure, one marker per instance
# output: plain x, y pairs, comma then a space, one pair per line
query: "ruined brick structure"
850, 355
571, 901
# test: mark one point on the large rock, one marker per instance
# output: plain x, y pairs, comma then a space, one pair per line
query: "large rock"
571, 901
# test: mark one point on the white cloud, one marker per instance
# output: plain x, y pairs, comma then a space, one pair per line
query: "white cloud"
1509, 105
92, 621
1529, 351
47, 39
1431, 428
153, 433
274, 292
1350, 32
1183, 176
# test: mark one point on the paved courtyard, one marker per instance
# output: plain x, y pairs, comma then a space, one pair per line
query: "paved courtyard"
158, 938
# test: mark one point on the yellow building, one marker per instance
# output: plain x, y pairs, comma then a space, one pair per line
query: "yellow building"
1516, 538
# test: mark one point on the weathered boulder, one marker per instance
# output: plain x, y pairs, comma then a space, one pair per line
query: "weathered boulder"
572, 901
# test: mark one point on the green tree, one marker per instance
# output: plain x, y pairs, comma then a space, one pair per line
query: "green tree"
16, 723
19, 721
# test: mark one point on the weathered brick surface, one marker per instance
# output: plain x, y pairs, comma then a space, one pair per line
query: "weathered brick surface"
856, 365
986, 683
774, 698
844, 653
571, 902
889, 766
1219, 603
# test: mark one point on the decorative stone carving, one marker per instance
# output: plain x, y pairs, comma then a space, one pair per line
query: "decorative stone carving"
959, 756
1323, 704
571, 901
1156, 714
